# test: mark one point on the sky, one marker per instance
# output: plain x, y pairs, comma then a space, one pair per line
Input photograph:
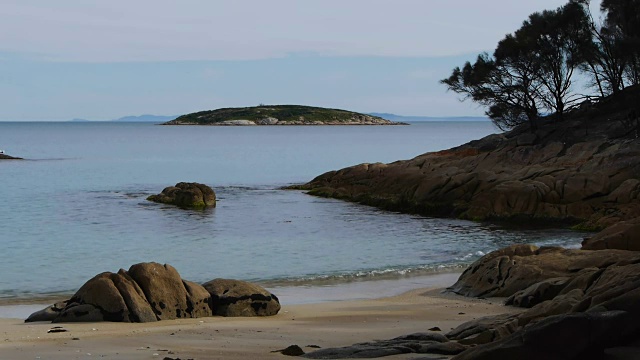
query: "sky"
102, 60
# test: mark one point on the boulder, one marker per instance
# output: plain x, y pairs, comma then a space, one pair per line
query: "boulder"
147, 292
561, 337
49, 313
169, 296
595, 288
537, 293
505, 272
624, 235
237, 122
106, 297
268, 121
422, 343
186, 195
240, 298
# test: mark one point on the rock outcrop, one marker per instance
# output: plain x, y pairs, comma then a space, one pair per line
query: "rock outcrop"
579, 303
623, 235
240, 298
150, 292
504, 272
147, 292
279, 115
186, 195
419, 343
561, 337
8, 157
583, 170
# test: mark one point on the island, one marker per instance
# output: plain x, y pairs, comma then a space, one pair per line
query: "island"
279, 115
4, 156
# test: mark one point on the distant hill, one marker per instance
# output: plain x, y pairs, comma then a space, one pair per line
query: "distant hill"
279, 115
156, 119
394, 117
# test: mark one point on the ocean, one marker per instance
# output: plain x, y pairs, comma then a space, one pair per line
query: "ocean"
77, 206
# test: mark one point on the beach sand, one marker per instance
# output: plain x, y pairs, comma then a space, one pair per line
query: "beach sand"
328, 323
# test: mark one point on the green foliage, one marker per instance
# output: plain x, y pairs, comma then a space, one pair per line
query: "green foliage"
623, 22
284, 113
531, 70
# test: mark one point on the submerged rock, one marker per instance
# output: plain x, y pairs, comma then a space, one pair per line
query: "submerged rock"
186, 195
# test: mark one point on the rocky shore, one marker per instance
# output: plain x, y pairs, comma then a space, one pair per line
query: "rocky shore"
7, 157
583, 171
269, 115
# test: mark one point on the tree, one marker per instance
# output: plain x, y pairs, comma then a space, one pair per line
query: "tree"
605, 60
530, 70
504, 87
623, 21
557, 40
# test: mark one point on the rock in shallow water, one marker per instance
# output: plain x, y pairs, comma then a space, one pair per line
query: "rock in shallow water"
186, 195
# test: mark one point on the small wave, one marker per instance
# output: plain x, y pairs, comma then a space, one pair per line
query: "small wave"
470, 256
363, 275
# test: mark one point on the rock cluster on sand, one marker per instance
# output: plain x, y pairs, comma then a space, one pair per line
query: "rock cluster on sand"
150, 292
579, 304
186, 195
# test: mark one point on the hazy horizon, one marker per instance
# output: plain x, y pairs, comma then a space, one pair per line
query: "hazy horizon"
73, 59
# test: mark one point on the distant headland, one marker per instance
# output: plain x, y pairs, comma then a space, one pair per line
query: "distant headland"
279, 115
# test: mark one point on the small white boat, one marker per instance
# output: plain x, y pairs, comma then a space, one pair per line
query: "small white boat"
1, 151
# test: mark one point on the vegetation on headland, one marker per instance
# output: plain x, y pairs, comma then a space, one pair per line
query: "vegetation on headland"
8, 157
279, 115
532, 71
578, 165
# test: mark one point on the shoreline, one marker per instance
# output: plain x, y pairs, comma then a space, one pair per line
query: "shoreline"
330, 323
331, 291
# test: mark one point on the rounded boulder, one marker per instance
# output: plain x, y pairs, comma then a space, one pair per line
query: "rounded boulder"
186, 195
234, 298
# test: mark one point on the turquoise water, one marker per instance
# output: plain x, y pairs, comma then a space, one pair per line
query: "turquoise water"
77, 206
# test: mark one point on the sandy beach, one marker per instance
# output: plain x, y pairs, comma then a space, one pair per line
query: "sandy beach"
333, 322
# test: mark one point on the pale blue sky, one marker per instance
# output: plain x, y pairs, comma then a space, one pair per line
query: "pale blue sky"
102, 60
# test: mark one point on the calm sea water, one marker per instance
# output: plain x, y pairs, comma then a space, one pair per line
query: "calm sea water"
77, 207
